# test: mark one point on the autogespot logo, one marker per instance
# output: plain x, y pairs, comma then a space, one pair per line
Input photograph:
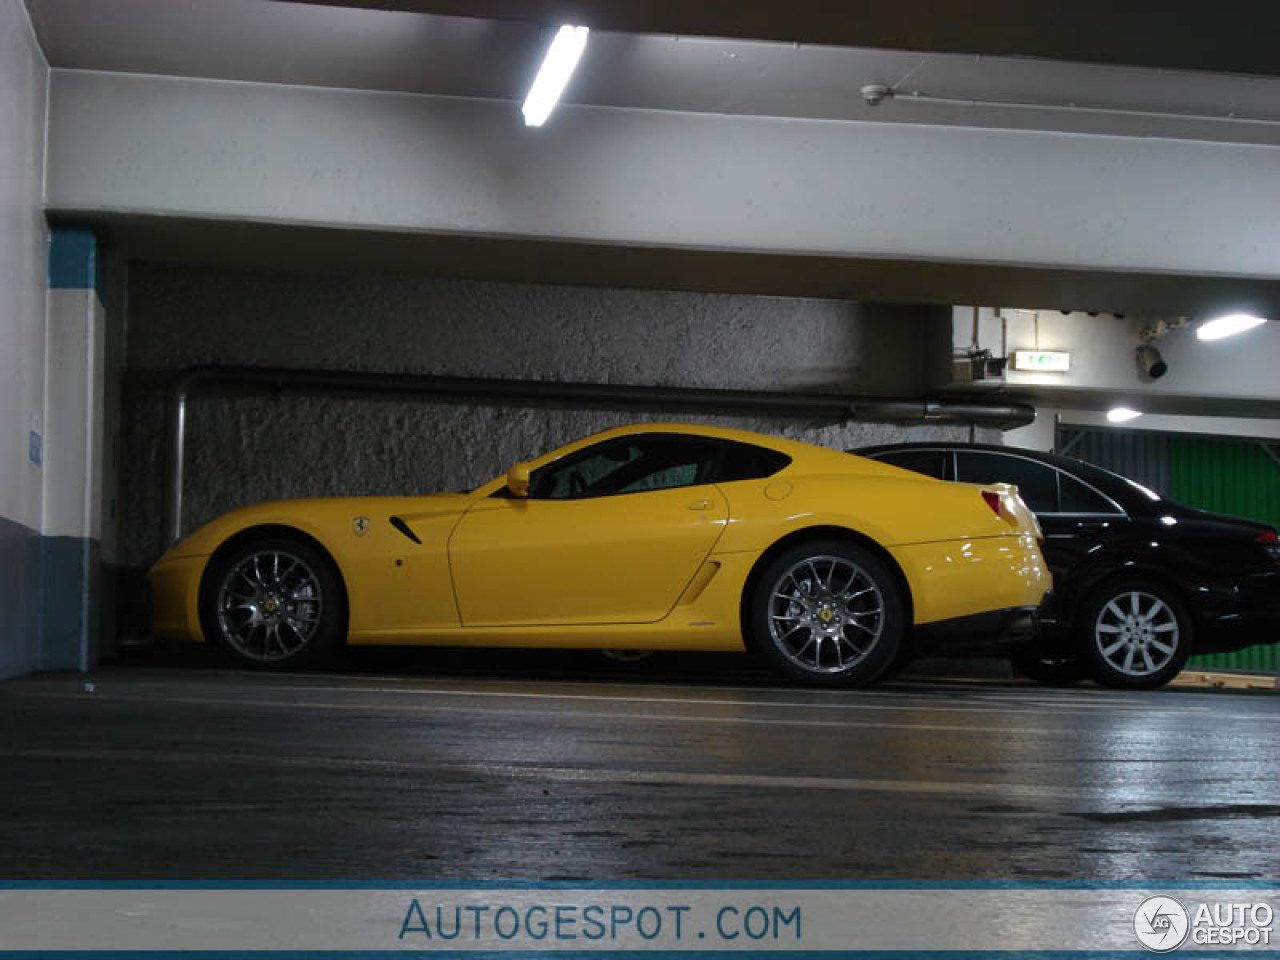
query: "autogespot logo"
1161, 924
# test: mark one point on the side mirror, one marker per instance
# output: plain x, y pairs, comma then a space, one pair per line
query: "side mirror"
518, 480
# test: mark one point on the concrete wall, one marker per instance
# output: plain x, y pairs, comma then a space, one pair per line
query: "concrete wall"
23, 84
244, 449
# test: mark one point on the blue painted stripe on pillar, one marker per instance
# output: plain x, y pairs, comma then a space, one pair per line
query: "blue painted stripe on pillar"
19, 599
68, 567
73, 260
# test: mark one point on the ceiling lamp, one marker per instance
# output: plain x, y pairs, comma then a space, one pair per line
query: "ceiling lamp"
1122, 414
1228, 326
557, 67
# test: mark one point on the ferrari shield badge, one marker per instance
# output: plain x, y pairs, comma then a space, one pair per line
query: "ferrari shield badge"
360, 525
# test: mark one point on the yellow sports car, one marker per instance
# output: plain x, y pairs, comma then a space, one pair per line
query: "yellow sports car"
649, 537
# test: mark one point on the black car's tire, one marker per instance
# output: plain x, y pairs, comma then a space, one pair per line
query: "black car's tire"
827, 612
1051, 671
274, 602
1134, 634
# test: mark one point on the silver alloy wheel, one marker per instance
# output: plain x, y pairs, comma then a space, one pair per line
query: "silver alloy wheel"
269, 606
1136, 633
826, 614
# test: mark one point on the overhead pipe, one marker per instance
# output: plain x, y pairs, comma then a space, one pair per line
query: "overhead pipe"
824, 406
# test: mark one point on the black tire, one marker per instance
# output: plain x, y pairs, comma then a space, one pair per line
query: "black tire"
1134, 634
901, 660
274, 603
812, 626
1051, 671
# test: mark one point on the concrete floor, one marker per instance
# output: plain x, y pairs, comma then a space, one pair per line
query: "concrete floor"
450, 768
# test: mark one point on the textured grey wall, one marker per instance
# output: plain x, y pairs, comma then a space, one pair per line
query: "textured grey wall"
248, 448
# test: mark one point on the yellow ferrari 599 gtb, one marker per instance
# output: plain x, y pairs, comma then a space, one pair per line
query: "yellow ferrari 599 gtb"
649, 537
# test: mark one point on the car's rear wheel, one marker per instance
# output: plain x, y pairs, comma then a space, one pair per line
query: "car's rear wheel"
1135, 634
828, 612
1051, 671
274, 602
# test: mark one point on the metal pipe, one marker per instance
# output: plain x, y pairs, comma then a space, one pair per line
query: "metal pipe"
823, 406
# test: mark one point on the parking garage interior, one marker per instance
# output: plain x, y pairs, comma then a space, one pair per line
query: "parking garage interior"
845, 227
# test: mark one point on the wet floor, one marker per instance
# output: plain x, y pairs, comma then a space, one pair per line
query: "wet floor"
438, 771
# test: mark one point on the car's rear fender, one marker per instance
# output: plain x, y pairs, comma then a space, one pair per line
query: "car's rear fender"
1204, 594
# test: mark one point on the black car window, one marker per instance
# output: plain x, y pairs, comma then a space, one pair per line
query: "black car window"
1037, 483
1075, 497
932, 463
650, 461
746, 461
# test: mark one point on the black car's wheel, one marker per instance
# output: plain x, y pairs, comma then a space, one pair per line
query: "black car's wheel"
274, 602
1051, 671
1135, 634
828, 612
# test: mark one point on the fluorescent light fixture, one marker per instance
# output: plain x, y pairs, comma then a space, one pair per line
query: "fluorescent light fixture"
1228, 326
557, 67
1122, 414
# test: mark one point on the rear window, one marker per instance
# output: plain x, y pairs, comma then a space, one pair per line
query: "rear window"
1077, 498
1037, 483
744, 461
932, 463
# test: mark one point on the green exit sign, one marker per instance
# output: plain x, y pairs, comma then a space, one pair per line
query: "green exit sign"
1042, 361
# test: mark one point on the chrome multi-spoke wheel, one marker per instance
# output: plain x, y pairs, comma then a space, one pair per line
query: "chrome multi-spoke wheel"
269, 605
1137, 635
273, 603
828, 612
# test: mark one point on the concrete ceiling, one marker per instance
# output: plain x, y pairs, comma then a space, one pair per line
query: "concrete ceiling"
249, 245
801, 59
1233, 36
395, 50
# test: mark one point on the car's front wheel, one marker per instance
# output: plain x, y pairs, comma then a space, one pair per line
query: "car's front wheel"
274, 602
828, 612
1135, 634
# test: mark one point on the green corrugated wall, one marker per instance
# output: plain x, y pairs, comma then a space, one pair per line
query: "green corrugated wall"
1235, 477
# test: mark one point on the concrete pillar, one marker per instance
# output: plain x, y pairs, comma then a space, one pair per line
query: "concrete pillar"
72, 453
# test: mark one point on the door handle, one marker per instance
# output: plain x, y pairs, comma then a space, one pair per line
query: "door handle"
1092, 526
702, 504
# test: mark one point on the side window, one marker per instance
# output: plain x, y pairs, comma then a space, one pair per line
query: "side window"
626, 465
1077, 498
744, 461
1037, 483
932, 463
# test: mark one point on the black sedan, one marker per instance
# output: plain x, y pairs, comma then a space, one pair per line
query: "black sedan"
1140, 583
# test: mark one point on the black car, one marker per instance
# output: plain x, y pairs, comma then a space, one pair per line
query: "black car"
1139, 582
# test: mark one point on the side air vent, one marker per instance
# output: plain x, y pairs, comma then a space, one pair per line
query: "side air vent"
404, 528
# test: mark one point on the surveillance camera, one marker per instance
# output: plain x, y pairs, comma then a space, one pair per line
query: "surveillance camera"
1151, 365
876, 93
